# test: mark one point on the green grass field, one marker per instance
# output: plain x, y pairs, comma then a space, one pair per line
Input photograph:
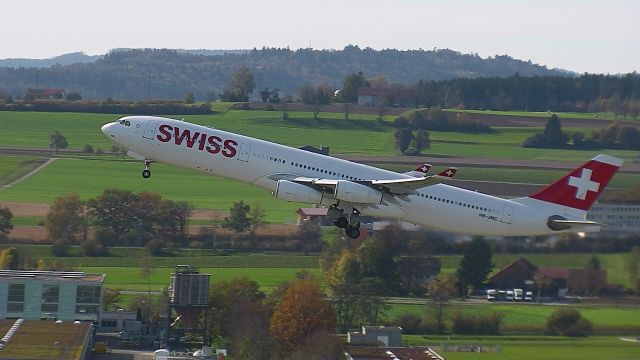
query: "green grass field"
362, 134
89, 178
532, 347
129, 257
14, 167
128, 278
530, 318
546, 114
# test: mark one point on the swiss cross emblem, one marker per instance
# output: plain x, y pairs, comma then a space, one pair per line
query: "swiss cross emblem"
424, 168
449, 172
584, 184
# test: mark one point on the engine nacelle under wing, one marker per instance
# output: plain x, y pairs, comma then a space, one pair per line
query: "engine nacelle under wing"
357, 193
291, 191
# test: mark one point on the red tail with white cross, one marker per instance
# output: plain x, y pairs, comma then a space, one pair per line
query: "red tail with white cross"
580, 188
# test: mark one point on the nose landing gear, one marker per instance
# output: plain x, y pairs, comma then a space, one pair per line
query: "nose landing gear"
146, 173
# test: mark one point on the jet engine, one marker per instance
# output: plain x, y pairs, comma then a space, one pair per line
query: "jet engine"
291, 191
356, 193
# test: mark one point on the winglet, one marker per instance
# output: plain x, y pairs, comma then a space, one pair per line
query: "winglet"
449, 173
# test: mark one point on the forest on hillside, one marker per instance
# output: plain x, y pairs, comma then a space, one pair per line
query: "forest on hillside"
170, 74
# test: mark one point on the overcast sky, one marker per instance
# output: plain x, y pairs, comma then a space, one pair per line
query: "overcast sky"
578, 35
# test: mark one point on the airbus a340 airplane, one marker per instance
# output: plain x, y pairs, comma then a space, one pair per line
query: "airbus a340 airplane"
350, 189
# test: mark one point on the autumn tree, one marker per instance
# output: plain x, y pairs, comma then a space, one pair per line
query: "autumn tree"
240, 85
10, 259
302, 314
66, 221
223, 296
476, 264
5, 222
57, 141
350, 86
440, 291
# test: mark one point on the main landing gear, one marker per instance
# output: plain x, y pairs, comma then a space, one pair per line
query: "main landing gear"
350, 223
146, 173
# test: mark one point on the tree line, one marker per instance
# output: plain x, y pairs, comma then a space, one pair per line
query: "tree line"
116, 218
612, 137
169, 74
107, 106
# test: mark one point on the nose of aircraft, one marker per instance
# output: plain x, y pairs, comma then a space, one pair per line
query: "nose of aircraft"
107, 129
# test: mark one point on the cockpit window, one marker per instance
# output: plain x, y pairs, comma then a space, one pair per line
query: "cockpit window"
125, 122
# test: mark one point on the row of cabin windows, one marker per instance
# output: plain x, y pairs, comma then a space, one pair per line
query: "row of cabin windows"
313, 168
446, 201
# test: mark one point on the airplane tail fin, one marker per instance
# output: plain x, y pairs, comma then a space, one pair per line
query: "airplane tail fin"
581, 187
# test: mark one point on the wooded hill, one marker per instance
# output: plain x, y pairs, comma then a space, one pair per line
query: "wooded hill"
170, 74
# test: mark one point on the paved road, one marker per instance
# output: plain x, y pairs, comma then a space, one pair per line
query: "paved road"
28, 175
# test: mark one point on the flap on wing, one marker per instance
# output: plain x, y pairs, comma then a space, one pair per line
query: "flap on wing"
392, 186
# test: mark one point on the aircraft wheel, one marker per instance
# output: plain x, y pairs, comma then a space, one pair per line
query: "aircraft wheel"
341, 222
353, 233
146, 174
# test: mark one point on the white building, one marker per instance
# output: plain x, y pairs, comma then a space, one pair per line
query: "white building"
620, 220
60, 295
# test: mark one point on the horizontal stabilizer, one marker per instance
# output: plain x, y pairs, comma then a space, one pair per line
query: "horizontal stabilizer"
420, 171
449, 173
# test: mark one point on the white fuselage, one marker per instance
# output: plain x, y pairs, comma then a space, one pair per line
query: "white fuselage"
258, 162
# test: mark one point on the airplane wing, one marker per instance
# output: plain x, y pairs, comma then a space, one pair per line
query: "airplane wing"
391, 186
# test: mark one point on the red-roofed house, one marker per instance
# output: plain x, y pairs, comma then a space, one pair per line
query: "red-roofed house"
370, 96
317, 215
520, 274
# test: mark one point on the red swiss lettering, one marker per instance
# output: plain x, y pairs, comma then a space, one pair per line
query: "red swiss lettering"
165, 135
214, 144
179, 137
229, 148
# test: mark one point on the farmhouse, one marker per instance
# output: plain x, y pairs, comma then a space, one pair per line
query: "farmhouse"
47, 93
370, 96
521, 274
316, 215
